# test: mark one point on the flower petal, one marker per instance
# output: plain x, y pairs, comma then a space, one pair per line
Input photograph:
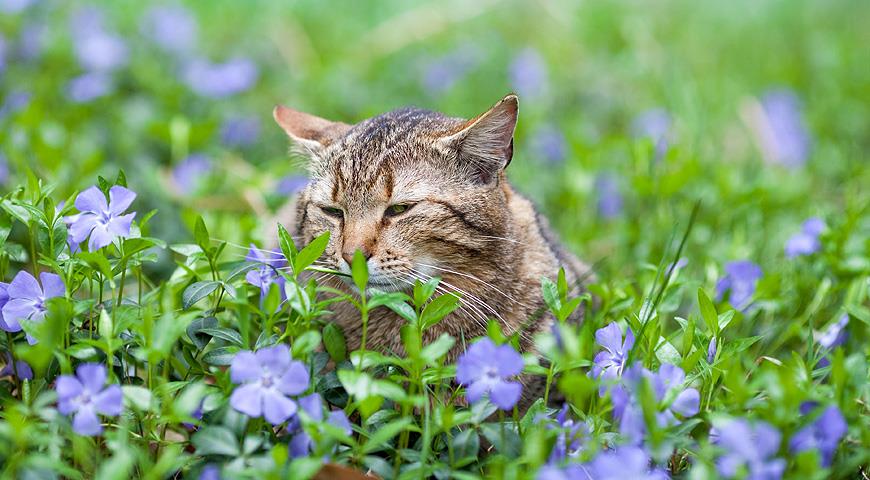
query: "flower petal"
609, 337
86, 422
120, 226
295, 379
24, 285
52, 285
92, 200
312, 405
81, 228
766, 439
687, 403
92, 376
276, 358
16, 310
508, 361
506, 394
110, 401
67, 388
120, 199
245, 367
277, 408
100, 237
248, 399
339, 419
475, 391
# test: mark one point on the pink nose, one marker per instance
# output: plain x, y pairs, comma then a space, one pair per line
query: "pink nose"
348, 254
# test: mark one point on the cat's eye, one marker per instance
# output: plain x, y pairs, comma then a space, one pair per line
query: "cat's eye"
397, 209
333, 212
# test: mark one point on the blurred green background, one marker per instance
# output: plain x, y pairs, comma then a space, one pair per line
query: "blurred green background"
630, 111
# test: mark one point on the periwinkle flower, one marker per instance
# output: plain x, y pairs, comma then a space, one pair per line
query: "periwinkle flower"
291, 184
89, 87
210, 472
528, 74
749, 448
568, 472
189, 173
654, 124
711, 350
609, 195
609, 363
741, 278
622, 463
96, 49
32, 41
266, 379
15, 6
548, 143
668, 387
824, 435
807, 241
266, 274
240, 131
301, 444
26, 299
16, 101
4, 170
440, 74
835, 335
785, 139
171, 27
220, 80
103, 222
84, 396
569, 442
487, 369
3, 49
16, 368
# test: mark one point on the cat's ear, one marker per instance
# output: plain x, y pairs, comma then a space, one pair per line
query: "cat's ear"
486, 143
306, 130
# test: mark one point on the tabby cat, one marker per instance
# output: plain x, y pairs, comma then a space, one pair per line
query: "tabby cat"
424, 195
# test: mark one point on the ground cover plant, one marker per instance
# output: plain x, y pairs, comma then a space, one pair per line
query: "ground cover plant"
709, 159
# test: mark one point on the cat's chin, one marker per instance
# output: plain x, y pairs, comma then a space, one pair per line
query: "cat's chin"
378, 284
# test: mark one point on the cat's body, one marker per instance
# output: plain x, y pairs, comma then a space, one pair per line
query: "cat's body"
425, 195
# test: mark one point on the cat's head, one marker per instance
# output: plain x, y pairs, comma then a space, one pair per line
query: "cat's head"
420, 194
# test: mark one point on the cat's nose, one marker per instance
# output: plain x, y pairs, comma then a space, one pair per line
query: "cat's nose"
347, 255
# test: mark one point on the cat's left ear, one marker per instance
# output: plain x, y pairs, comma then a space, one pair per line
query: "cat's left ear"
486, 142
308, 131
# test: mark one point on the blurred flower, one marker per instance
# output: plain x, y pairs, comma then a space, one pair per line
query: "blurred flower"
2, 53
26, 300
711, 350
97, 49
267, 377
88, 87
85, 396
749, 447
172, 27
807, 241
189, 173
31, 41
301, 444
101, 221
609, 195
782, 132
16, 101
608, 364
569, 443
4, 170
441, 73
528, 74
20, 368
667, 384
568, 472
267, 273
15, 6
836, 334
741, 278
548, 143
240, 131
622, 463
210, 472
291, 184
824, 435
218, 80
654, 124
486, 369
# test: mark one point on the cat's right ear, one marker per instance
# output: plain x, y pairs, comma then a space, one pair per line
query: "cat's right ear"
308, 131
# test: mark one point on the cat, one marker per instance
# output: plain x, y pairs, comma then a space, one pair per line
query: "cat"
424, 195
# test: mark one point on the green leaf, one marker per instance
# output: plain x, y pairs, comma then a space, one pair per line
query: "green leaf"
434, 351
138, 397
333, 340
551, 294
98, 262
200, 235
220, 356
216, 440
194, 331
667, 353
288, 248
437, 309
708, 312
197, 291
360, 271
385, 433
306, 343
310, 253
226, 334
105, 325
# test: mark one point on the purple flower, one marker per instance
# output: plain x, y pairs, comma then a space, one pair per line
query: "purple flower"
267, 377
836, 334
210, 472
622, 463
711, 350
608, 364
667, 384
172, 27
26, 300
222, 79
783, 134
486, 369
15, 6
301, 444
291, 184
654, 124
16, 101
2, 54
4, 170
528, 74
807, 241
97, 49
569, 443
267, 273
441, 73
568, 472
85, 396
189, 173
740, 279
609, 195
750, 449
32, 41
101, 221
89, 87
20, 368
240, 131
549, 144
824, 435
